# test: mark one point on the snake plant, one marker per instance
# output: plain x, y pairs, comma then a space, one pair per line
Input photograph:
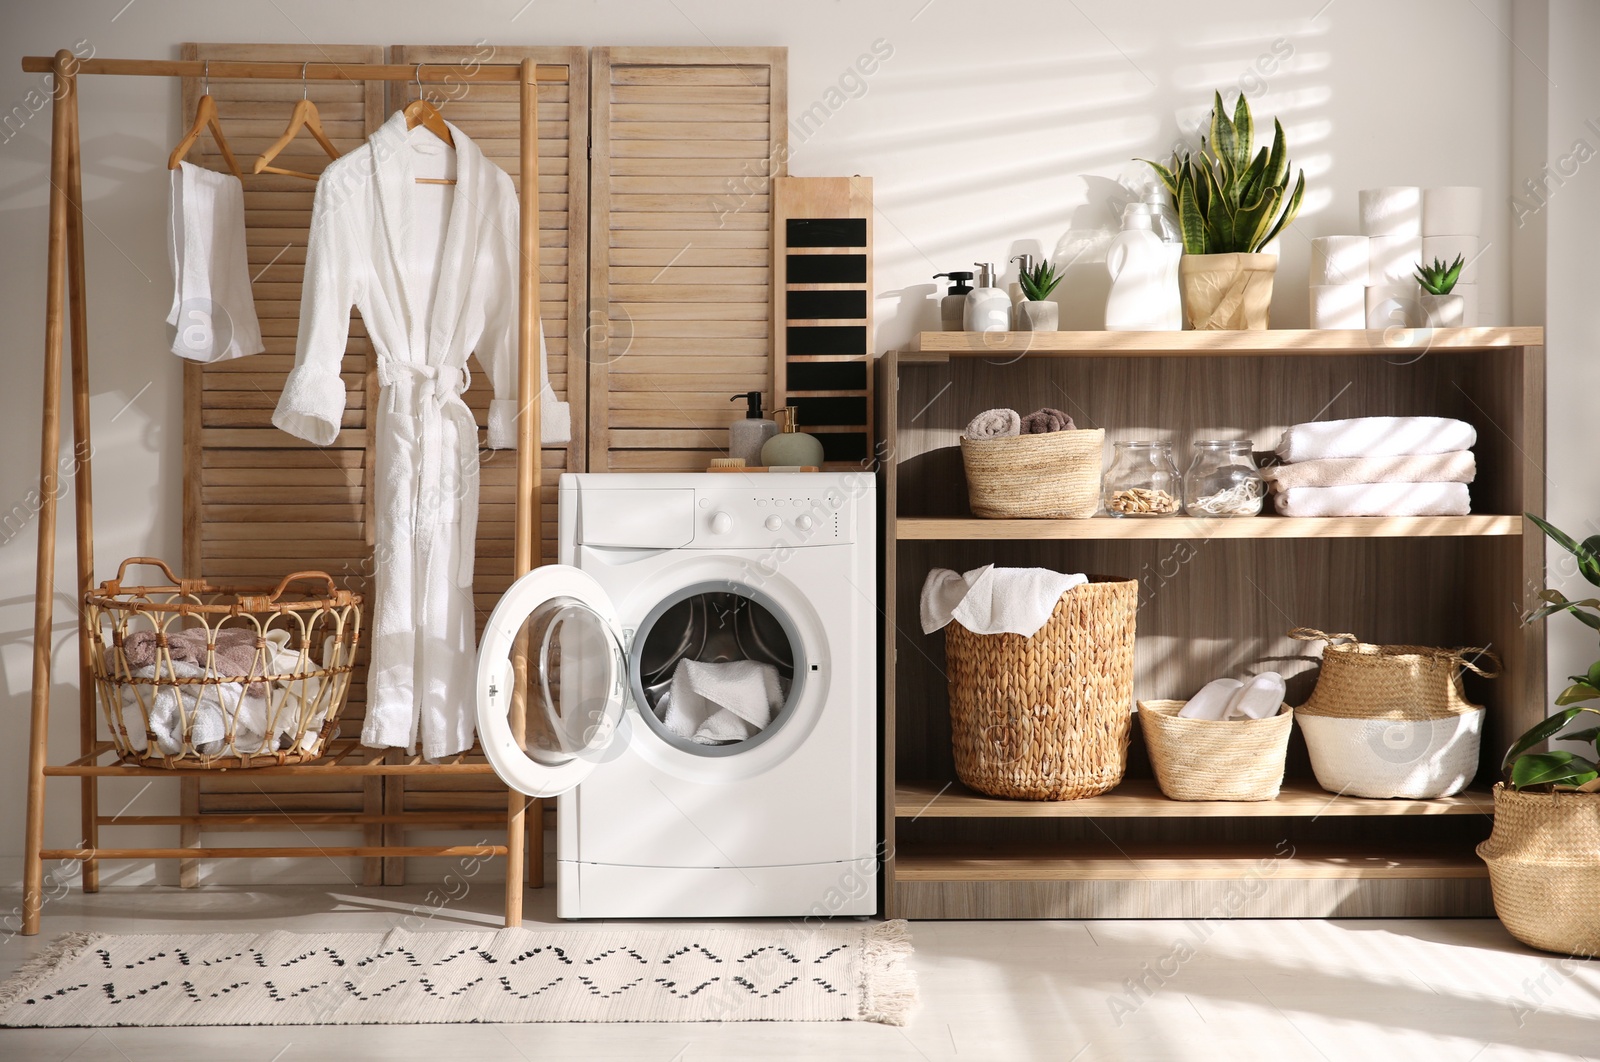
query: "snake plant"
1227, 200
1560, 768
1440, 279
1037, 283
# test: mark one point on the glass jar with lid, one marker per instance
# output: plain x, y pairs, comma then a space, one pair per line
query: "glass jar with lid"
1143, 480
1223, 479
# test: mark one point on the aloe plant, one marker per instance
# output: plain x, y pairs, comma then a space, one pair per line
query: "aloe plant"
1227, 200
1440, 279
1037, 283
1523, 768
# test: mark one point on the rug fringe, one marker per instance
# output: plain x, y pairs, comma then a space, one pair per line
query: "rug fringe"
888, 985
61, 951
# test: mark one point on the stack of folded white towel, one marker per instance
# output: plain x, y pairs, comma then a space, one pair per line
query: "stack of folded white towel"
1375, 466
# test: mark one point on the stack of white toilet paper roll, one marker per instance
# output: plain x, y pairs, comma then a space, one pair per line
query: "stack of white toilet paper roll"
1369, 281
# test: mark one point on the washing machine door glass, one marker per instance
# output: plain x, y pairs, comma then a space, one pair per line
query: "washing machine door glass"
552, 681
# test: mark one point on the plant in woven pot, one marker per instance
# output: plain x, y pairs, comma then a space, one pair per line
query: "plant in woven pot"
1544, 853
1230, 205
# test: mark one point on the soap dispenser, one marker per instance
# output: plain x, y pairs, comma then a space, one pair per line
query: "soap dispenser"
988, 308
745, 437
791, 447
954, 303
1144, 292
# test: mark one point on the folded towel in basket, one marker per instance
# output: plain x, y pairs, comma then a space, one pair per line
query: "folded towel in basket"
714, 703
992, 600
1375, 437
1457, 466
1376, 499
994, 424
236, 651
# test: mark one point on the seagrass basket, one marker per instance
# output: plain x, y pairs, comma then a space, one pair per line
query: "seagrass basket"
193, 675
1393, 721
1208, 759
1544, 868
1050, 475
1048, 716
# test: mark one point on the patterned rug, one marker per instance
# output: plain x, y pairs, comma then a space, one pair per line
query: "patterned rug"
850, 973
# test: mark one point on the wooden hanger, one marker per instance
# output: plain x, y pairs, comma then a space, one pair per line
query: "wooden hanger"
420, 112
205, 117
304, 116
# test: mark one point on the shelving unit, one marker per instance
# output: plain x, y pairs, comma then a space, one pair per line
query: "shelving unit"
1217, 597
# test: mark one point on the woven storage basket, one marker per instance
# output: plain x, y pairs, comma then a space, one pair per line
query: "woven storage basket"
1047, 717
1055, 474
1544, 868
175, 713
1206, 759
1388, 721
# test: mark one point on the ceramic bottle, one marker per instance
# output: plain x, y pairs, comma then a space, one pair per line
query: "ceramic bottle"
953, 304
746, 437
988, 308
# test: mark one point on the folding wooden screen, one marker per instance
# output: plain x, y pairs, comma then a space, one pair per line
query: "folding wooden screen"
680, 281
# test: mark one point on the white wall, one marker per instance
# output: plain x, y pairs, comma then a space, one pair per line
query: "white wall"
993, 128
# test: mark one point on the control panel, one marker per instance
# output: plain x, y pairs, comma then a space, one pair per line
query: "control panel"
753, 518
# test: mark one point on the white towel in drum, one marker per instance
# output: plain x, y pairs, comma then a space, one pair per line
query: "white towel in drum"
992, 600
213, 308
1376, 499
714, 703
1375, 437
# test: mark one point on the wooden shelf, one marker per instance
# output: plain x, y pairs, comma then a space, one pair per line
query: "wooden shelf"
937, 346
1192, 863
1108, 528
1140, 798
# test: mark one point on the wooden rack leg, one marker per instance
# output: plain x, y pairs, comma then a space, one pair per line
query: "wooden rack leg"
83, 481
49, 444
535, 844
189, 833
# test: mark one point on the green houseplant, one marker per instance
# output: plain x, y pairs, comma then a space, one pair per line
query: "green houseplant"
1037, 313
1232, 201
1441, 306
1544, 853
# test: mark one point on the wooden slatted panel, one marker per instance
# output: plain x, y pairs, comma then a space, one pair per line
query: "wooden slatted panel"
259, 503
685, 142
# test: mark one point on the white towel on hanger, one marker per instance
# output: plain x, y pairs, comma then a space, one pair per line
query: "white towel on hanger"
992, 600
213, 308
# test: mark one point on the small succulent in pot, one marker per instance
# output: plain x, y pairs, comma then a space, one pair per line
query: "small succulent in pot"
1038, 313
1438, 278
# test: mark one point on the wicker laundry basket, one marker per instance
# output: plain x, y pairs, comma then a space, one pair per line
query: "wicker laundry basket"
166, 711
1050, 475
1049, 716
1393, 720
1207, 759
1544, 868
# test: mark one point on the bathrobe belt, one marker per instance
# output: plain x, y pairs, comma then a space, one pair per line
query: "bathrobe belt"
432, 394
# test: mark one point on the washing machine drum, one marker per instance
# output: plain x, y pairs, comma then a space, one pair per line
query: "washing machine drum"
554, 677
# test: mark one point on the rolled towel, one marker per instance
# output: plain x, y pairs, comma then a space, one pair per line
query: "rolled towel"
1045, 420
994, 424
1457, 466
1392, 211
1375, 437
1376, 499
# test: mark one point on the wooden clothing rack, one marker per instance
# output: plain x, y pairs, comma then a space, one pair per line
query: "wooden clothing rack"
66, 312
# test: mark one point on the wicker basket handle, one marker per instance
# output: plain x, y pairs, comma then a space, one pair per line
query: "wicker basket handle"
262, 602
185, 586
1311, 634
1469, 659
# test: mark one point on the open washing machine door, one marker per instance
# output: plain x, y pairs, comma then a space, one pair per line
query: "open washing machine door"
552, 681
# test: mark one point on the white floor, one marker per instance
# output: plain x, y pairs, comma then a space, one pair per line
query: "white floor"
1422, 991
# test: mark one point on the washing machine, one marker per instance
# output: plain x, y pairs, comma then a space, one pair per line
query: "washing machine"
656, 569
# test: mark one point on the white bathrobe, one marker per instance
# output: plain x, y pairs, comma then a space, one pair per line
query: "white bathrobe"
371, 227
